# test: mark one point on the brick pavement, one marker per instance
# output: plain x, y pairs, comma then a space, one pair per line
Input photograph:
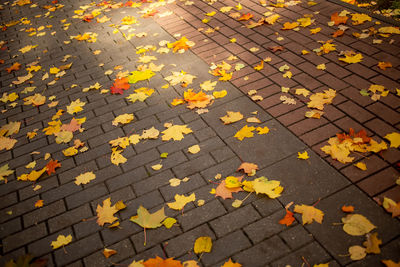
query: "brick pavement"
250, 234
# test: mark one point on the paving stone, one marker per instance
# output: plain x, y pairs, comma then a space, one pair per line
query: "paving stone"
313, 253
44, 213
86, 195
365, 206
225, 247
169, 192
126, 179
124, 250
69, 218
78, 249
234, 220
18, 209
42, 246
379, 182
262, 253
153, 237
193, 166
24, 237
296, 236
250, 149
10, 227
313, 178
201, 215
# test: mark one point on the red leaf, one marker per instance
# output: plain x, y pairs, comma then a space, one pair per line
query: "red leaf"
51, 166
72, 126
119, 85
288, 219
245, 16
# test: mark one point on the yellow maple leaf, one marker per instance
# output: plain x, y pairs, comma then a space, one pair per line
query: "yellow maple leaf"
10, 128
220, 94
349, 58
35, 100
75, 106
290, 25
123, 119
7, 143
360, 18
315, 31
272, 19
105, 213
182, 43
116, 157
303, 155
4, 172
361, 166
208, 85
260, 66
245, 132
231, 117
84, 178
309, 213
181, 201
175, 132
27, 48
262, 130
271, 188
62, 240
372, 243
63, 137
137, 76
230, 263
202, 244
194, 149
32, 176
71, 151
54, 70
39, 203
394, 139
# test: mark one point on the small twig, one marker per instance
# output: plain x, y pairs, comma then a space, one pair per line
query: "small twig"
305, 261
319, 199
201, 255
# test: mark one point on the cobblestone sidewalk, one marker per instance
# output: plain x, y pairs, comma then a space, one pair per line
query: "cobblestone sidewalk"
250, 234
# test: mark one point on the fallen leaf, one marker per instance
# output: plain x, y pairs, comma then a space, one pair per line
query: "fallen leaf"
361, 166
157, 167
335, 17
147, 220
394, 139
309, 214
391, 206
4, 172
202, 244
372, 243
175, 132
230, 263
225, 192
105, 213
390, 263
357, 253
84, 178
123, 119
32, 176
7, 143
384, 65
62, 240
159, 262
181, 201
109, 252
245, 132
16, 66
352, 58
288, 219
39, 203
303, 155
116, 157
194, 149
348, 209
248, 168
10, 128
357, 225
271, 188
51, 166
75, 106
231, 117
169, 222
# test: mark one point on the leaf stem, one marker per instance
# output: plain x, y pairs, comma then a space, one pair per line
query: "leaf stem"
145, 237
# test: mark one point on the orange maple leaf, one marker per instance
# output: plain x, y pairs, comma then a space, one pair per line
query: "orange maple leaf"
245, 16
159, 262
180, 44
348, 209
288, 219
224, 192
338, 19
337, 33
15, 66
248, 168
51, 166
119, 85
